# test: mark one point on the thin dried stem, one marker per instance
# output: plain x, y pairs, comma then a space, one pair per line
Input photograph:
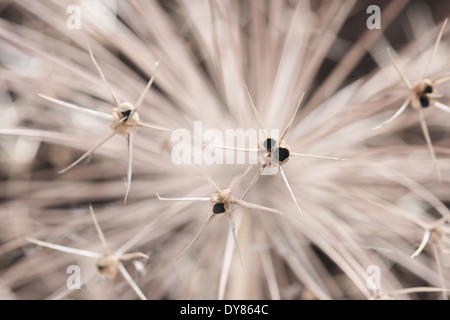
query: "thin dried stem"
130, 160
209, 179
426, 237
285, 131
395, 116
435, 47
94, 113
236, 242
402, 76
257, 206
116, 100
290, 190
99, 230
238, 180
70, 250
153, 126
255, 111
315, 156
442, 106
131, 282
181, 199
149, 84
426, 134
211, 217
98, 145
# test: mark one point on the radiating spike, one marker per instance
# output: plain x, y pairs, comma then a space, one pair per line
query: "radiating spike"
181, 199
395, 116
209, 179
426, 134
131, 282
435, 47
95, 113
315, 156
99, 230
233, 231
116, 100
288, 126
290, 190
254, 109
152, 126
197, 235
238, 181
257, 206
130, 165
424, 242
88, 152
149, 84
53, 246
405, 80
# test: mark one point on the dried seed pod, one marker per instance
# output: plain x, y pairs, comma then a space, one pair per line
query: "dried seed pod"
422, 94
220, 203
107, 264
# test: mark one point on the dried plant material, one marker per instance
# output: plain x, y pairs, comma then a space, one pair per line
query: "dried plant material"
273, 152
422, 94
220, 203
391, 294
107, 264
435, 229
125, 119
371, 210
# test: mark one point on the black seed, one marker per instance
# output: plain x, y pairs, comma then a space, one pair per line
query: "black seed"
126, 114
269, 144
219, 208
281, 154
428, 89
424, 102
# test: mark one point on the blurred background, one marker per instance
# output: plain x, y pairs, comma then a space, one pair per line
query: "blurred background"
372, 211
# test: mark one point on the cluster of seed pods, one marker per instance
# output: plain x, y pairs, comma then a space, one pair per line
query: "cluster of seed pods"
273, 153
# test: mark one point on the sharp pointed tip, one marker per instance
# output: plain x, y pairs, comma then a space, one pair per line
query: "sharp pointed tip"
126, 198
